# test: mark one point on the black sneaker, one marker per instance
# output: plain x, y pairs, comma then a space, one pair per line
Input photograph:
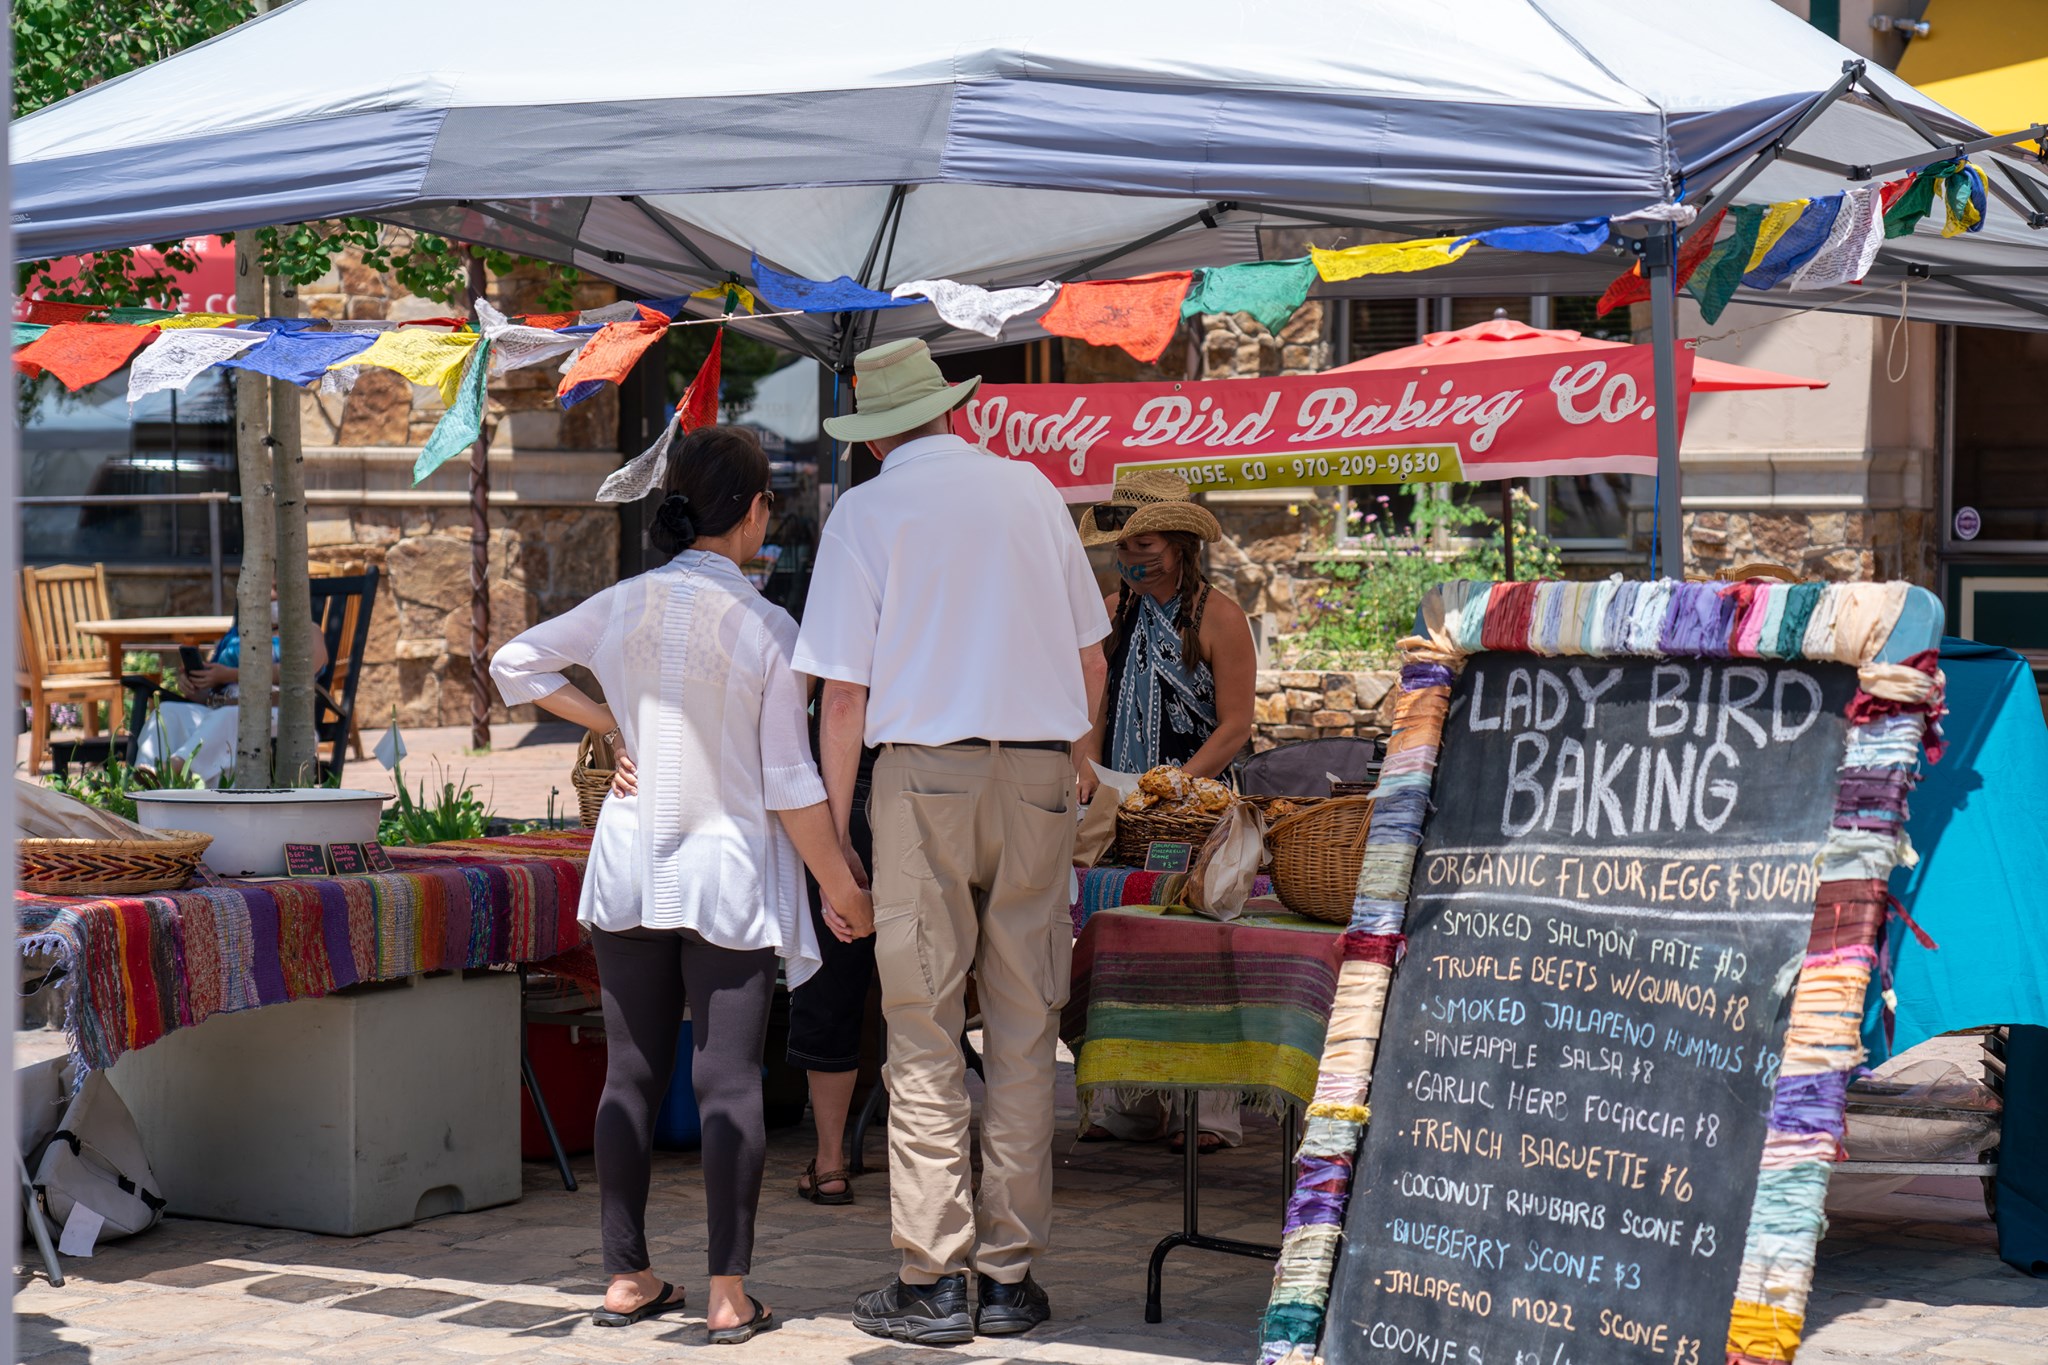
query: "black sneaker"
923, 1315
1007, 1309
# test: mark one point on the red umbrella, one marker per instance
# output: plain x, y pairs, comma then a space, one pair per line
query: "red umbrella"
1504, 338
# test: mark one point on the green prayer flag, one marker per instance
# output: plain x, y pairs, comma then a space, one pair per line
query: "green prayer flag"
1269, 290
25, 332
1917, 201
138, 314
1715, 282
463, 423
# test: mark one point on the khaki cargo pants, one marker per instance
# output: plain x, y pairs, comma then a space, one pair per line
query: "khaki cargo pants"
973, 850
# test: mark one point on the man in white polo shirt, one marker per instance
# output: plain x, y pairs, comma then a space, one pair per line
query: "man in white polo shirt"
956, 624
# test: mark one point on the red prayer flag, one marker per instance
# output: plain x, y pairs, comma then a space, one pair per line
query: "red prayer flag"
1141, 315
81, 353
699, 407
608, 355
49, 313
551, 321
1633, 287
1888, 193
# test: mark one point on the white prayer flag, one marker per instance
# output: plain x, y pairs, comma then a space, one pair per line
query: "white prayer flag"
974, 309
515, 345
631, 482
1851, 245
181, 354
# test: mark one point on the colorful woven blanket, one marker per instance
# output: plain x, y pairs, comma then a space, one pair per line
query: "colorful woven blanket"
141, 966
1106, 888
1171, 1003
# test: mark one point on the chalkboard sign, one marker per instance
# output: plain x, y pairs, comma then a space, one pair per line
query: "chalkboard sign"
305, 860
1609, 907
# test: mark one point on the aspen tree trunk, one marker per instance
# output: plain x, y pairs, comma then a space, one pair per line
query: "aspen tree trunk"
259, 531
297, 759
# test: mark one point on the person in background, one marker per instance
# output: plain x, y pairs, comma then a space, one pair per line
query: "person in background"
1182, 679
199, 732
956, 625
693, 890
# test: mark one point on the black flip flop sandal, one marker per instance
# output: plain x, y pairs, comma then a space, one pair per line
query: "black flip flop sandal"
762, 1321
668, 1301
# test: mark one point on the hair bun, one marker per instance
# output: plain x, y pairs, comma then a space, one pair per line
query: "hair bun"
674, 518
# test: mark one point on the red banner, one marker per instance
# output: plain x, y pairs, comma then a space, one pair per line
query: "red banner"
208, 289
1491, 419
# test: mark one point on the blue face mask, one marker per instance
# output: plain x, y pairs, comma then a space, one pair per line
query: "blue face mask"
1139, 572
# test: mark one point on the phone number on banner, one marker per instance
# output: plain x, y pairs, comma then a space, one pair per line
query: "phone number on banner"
1380, 464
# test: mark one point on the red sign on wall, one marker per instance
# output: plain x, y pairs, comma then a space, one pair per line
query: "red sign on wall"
1493, 419
209, 289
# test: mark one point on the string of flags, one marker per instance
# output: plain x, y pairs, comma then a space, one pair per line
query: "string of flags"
1801, 244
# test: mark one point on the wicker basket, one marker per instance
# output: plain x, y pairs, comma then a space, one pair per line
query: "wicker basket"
1316, 857
1137, 830
108, 867
591, 777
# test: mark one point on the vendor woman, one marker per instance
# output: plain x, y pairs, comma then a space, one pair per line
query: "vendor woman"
1181, 666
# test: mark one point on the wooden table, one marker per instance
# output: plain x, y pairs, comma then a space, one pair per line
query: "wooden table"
124, 633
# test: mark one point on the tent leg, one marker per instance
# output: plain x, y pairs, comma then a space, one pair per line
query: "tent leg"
1660, 266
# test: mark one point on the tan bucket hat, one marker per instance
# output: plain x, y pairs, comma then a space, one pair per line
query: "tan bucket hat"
1147, 500
897, 388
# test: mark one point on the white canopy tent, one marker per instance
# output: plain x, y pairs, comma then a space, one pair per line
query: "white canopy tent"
908, 139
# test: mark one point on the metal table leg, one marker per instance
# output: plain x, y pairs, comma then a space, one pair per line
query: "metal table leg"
540, 1104
34, 1210
1190, 1234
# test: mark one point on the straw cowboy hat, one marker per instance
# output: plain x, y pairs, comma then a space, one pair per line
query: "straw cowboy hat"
1147, 500
897, 388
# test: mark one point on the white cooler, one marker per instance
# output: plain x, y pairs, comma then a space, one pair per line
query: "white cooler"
346, 1115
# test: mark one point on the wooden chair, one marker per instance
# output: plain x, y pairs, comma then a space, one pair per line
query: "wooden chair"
58, 662
341, 608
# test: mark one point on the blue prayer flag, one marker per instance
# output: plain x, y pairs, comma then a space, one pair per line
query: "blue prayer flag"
1579, 238
1801, 242
794, 293
301, 357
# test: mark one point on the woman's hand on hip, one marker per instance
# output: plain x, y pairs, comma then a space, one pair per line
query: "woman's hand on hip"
625, 778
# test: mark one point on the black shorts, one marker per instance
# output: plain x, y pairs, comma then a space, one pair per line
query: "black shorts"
827, 1011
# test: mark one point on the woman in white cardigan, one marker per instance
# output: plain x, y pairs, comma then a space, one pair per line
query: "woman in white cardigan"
693, 888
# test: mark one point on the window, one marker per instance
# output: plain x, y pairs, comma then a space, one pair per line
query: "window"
91, 443
1998, 451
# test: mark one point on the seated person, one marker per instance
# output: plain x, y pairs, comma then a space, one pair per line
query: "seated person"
200, 732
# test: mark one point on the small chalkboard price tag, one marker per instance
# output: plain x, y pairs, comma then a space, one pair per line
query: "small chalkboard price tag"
305, 860
349, 860
380, 861
1165, 856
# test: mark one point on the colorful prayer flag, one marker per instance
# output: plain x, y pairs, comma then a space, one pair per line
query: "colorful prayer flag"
1715, 282
607, 357
302, 357
1388, 258
430, 358
25, 332
1796, 245
1778, 220
180, 321
1963, 195
974, 309
699, 408
794, 293
738, 295
82, 353
50, 312
1268, 290
462, 425
1141, 315
514, 346
1579, 238
1851, 246
1633, 287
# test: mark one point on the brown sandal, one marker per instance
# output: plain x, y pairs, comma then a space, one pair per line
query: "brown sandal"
814, 1190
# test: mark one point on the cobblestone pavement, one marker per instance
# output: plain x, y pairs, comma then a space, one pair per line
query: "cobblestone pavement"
1921, 1283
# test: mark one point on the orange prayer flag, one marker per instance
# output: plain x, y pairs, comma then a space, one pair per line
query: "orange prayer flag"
82, 353
1634, 286
608, 355
49, 312
699, 407
1140, 315
551, 321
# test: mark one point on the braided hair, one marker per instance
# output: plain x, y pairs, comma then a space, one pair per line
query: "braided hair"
1194, 597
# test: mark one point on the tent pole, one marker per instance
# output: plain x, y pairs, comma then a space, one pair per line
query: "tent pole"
1660, 266
481, 688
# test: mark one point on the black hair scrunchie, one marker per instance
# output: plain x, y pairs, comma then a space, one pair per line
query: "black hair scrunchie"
674, 518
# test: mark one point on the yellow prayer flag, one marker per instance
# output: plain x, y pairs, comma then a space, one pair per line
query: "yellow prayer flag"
1388, 258
716, 293
178, 321
430, 358
1777, 220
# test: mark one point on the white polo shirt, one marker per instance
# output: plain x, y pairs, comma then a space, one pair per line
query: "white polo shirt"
954, 588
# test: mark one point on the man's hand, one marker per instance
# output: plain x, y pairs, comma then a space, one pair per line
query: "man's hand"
849, 916
211, 677
625, 778
1085, 780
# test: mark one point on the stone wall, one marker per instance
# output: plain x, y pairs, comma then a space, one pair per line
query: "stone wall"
1834, 546
1297, 705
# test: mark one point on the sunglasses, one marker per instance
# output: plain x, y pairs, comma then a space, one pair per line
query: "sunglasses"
1111, 516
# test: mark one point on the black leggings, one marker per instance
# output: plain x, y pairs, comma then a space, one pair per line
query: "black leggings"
646, 976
